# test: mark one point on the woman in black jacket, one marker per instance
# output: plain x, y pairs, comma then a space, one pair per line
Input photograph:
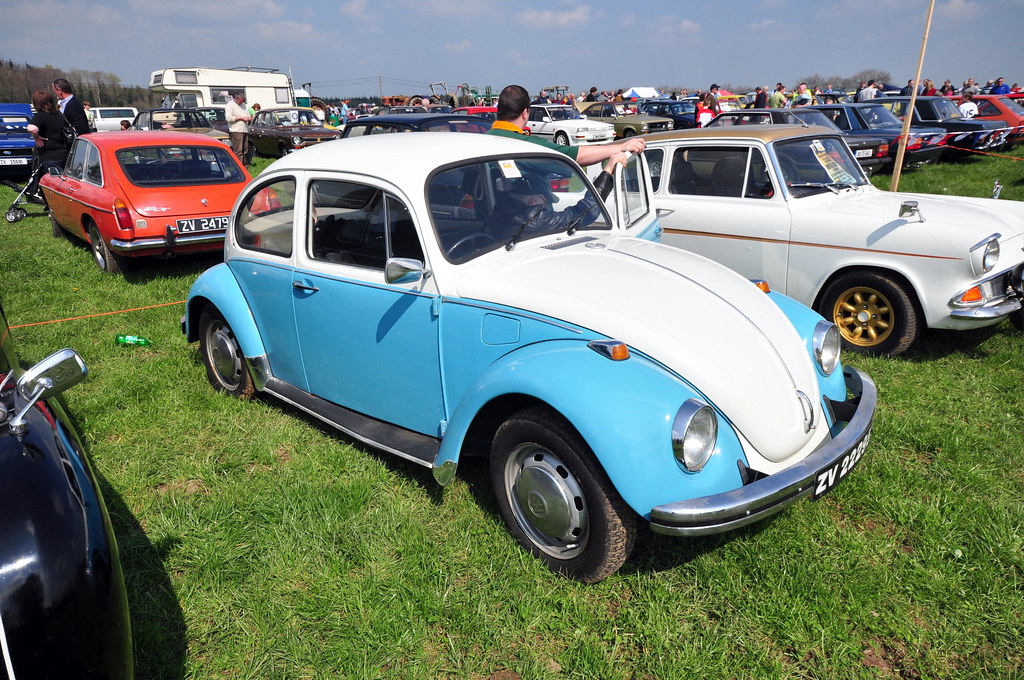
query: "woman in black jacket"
47, 128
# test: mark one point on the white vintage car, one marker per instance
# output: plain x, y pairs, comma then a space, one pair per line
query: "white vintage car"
563, 124
790, 205
479, 299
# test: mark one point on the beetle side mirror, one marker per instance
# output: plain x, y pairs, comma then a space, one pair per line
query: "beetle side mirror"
404, 270
54, 374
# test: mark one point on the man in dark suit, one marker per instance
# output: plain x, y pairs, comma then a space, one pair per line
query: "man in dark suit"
70, 106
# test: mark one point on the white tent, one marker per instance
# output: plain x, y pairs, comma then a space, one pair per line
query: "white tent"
641, 93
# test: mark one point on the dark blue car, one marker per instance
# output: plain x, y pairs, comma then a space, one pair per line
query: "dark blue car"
872, 119
683, 112
16, 143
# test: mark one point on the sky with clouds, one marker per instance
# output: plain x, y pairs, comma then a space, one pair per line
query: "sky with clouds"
365, 47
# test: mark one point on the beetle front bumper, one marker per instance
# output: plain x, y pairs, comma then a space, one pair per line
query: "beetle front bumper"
759, 499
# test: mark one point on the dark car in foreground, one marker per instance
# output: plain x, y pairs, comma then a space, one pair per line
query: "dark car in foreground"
279, 131
871, 152
63, 604
963, 135
924, 144
16, 143
416, 122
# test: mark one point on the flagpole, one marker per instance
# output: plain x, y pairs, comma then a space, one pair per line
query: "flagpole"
908, 114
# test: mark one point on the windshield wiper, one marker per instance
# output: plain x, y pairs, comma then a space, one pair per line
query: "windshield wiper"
834, 187
535, 212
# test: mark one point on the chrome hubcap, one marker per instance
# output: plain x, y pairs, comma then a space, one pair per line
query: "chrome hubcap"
547, 501
224, 355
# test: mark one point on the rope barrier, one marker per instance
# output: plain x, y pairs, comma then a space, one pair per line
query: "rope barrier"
89, 316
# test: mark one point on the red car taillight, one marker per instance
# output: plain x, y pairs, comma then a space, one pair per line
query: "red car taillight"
559, 184
883, 150
124, 218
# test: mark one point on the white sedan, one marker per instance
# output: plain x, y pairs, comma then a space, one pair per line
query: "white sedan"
791, 205
565, 125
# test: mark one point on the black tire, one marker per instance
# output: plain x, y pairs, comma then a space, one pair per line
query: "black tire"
222, 355
874, 313
106, 259
555, 498
55, 225
561, 138
630, 132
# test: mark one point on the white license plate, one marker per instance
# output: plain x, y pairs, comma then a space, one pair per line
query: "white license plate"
202, 224
828, 478
863, 153
13, 161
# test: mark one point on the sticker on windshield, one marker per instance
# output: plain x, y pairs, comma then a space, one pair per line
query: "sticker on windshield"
509, 169
830, 165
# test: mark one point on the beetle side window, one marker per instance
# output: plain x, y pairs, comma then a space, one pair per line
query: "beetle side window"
264, 221
359, 225
634, 191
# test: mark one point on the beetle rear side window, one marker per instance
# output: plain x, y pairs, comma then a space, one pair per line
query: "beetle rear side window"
264, 222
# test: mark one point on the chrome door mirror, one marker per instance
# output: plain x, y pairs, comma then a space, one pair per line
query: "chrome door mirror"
403, 270
909, 209
54, 374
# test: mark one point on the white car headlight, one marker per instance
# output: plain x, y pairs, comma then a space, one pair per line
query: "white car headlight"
985, 255
827, 346
694, 433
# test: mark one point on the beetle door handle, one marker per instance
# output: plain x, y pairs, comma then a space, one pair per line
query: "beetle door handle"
302, 286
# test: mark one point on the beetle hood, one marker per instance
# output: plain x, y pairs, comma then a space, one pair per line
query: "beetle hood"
726, 337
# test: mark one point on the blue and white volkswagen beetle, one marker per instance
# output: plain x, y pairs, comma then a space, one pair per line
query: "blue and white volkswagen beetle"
443, 296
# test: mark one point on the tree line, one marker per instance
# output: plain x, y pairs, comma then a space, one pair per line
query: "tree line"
19, 81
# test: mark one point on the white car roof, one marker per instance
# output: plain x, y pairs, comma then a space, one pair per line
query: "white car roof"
404, 156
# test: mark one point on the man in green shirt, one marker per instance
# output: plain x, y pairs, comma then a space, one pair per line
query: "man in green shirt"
778, 98
514, 111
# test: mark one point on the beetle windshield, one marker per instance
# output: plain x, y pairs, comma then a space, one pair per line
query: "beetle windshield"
816, 165
487, 205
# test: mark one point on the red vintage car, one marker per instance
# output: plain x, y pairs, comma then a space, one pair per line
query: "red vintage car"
133, 194
1004, 109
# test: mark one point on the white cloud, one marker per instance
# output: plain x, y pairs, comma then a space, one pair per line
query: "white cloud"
766, 25
958, 9
546, 18
457, 48
356, 9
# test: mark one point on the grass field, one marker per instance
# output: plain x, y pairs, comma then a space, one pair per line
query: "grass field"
258, 543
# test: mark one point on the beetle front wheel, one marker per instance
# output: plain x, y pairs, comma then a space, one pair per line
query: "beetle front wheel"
556, 499
222, 356
874, 313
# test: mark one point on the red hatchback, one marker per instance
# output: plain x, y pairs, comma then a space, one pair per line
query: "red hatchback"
1001, 108
133, 194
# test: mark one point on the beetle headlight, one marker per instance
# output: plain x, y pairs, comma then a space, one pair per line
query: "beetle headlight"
826, 346
694, 432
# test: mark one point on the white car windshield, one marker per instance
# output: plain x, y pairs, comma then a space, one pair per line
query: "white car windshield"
814, 166
496, 204
563, 113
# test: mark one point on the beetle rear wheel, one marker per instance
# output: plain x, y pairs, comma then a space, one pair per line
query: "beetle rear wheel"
874, 314
222, 356
555, 498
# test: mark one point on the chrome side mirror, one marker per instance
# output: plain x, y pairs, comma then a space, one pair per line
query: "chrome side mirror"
909, 209
54, 374
404, 270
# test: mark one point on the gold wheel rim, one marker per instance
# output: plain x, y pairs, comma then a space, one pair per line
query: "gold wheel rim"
864, 316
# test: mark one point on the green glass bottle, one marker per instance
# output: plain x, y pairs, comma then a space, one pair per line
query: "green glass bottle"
132, 340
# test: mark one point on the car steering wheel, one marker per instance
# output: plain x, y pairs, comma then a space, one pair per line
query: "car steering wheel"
483, 237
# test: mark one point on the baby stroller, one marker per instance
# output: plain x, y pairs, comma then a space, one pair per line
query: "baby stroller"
16, 213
